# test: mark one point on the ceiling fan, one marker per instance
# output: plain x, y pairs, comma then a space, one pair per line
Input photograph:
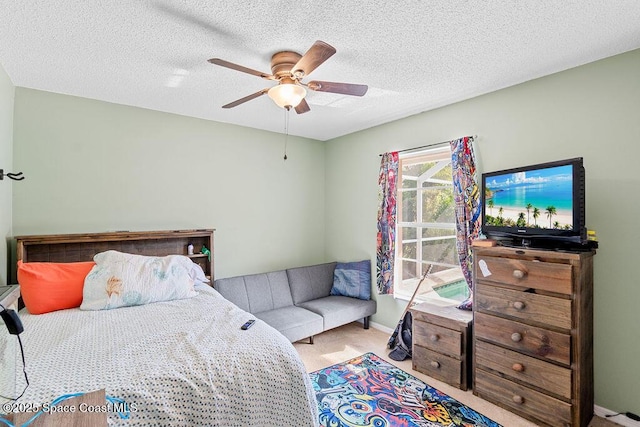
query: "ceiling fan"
288, 69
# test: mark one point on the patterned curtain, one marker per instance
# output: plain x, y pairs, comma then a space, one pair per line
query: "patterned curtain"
386, 245
467, 200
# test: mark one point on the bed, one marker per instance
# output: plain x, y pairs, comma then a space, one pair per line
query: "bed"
183, 362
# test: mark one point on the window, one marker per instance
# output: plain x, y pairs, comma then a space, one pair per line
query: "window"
426, 230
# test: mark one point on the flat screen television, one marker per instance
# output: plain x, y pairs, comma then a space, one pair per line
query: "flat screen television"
540, 205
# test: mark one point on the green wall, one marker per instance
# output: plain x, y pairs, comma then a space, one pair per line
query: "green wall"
592, 111
7, 92
92, 166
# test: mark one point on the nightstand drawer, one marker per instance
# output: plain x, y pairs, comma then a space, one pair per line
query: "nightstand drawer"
547, 376
438, 366
525, 306
437, 338
522, 337
522, 399
547, 276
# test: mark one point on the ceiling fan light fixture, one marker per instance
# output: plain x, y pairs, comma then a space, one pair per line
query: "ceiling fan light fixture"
287, 94
288, 68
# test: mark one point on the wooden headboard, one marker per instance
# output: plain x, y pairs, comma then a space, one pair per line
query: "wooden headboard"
82, 247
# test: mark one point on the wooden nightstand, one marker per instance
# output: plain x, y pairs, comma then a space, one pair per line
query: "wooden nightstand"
9, 296
442, 343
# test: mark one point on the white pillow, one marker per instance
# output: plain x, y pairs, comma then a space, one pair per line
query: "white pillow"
195, 271
120, 279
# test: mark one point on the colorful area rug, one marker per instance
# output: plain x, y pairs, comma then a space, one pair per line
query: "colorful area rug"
369, 391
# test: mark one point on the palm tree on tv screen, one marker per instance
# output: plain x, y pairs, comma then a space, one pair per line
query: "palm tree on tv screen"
550, 212
528, 208
536, 215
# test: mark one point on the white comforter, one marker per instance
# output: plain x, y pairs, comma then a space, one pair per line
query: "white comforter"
181, 363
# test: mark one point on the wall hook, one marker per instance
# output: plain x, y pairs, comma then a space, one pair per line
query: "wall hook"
14, 176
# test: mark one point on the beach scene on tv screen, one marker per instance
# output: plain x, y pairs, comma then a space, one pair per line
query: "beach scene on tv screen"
540, 198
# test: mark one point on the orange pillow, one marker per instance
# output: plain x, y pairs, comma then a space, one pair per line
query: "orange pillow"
51, 286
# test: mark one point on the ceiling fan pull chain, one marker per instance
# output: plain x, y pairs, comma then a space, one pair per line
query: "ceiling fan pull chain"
286, 130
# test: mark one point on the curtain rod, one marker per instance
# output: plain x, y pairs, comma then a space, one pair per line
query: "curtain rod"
431, 145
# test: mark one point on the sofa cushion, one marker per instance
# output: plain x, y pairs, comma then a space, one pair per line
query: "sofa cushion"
256, 293
309, 283
352, 279
295, 323
338, 310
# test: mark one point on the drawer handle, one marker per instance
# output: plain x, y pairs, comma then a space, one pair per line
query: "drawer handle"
519, 274
518, 399
434, 337
516, 337
518, 305
435, 364
518, 367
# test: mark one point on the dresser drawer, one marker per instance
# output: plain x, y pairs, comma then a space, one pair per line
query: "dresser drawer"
544, 375
525, 306
522, 337
438, 366
434, 337
547, 276
522, 399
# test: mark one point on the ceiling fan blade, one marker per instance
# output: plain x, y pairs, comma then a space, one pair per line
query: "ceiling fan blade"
245, 99
316, 55
303, 107
227, 64
343, 88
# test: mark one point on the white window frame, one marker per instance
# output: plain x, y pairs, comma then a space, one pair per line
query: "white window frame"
443, 154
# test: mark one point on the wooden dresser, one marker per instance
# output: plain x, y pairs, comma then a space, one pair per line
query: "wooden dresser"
533, 333
442, 343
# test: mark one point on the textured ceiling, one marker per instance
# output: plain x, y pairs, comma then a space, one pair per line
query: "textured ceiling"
414, 55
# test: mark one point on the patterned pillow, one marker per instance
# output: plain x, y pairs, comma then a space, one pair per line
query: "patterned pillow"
120, 280
352, 279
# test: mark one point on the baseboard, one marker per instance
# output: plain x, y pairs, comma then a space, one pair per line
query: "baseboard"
382, 328
623, 420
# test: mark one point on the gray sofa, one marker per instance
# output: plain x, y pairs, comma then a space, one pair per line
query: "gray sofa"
296, 301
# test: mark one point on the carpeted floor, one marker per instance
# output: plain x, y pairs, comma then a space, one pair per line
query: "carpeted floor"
350, 341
